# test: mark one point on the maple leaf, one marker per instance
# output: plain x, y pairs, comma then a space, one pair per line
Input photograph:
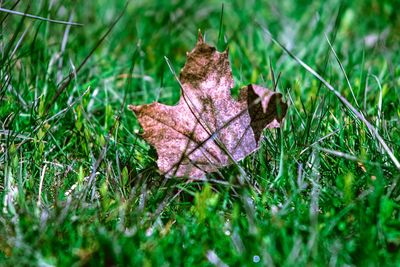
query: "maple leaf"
208, 129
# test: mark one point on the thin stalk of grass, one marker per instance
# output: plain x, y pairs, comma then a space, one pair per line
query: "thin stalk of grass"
13, 12
342, 69
39, 202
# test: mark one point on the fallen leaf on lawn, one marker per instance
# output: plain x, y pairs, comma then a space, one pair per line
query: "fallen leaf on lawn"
208, 129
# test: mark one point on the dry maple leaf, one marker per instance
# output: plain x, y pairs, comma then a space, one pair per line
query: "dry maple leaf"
208, 129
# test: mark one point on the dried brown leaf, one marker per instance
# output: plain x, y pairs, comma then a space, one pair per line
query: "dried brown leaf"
208, 129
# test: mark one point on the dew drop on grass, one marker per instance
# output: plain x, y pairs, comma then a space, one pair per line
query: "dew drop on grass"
256, 258
149, 232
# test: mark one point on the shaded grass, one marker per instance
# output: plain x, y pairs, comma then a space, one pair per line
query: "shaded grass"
320, 191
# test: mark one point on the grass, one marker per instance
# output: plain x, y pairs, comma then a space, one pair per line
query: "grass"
78, 185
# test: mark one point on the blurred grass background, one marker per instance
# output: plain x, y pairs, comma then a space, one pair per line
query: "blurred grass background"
78, 186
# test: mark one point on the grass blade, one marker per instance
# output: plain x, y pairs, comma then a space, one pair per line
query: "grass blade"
39, 18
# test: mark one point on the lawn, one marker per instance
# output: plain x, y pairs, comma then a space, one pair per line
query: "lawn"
79, 186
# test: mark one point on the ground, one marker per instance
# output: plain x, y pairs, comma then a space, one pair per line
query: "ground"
79, 186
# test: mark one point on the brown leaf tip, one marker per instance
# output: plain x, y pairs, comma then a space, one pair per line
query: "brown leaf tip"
200, 38
226, 51
133, 108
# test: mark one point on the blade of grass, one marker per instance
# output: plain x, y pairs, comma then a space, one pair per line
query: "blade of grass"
379, 121
39, 18
342, 69
220, 35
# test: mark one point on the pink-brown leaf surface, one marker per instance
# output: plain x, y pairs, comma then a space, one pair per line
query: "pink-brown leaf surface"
208, 129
